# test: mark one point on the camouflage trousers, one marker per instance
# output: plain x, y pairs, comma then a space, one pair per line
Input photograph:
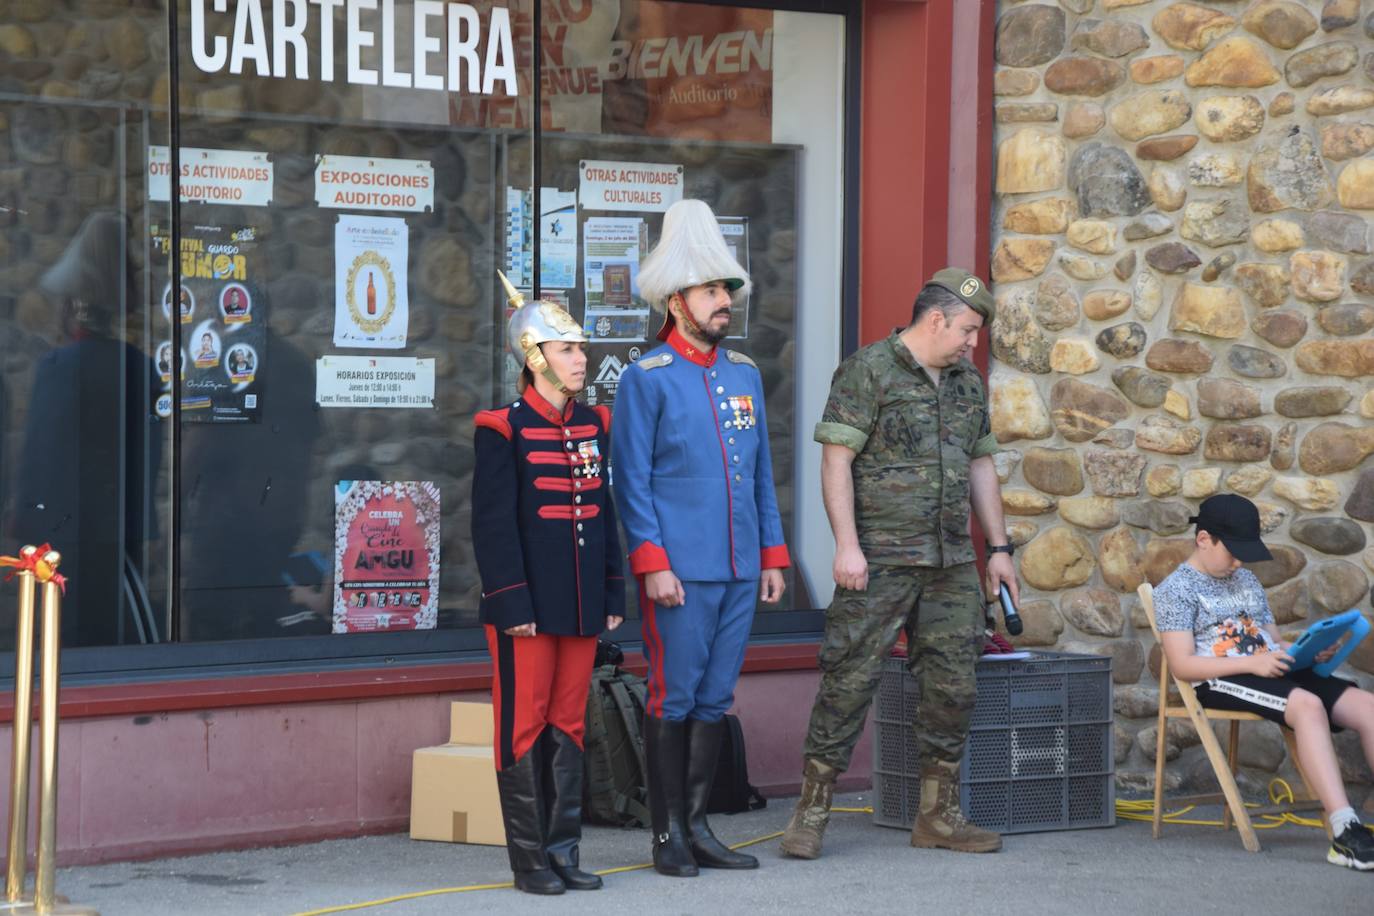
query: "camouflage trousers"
943, 615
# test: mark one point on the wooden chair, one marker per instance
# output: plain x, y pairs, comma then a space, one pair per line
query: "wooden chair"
1223, 765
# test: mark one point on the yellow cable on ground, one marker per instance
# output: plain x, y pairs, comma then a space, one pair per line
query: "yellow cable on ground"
1142, 810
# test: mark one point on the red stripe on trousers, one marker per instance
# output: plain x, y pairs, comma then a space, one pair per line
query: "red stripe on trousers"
653, 642
552, 675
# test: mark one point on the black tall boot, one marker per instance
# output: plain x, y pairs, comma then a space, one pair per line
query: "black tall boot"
522, 810
563, 804
664, 753
703, 753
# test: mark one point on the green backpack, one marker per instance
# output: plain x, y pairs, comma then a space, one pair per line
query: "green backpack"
614, 784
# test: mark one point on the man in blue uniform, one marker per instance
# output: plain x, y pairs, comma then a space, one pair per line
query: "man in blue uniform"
694, 483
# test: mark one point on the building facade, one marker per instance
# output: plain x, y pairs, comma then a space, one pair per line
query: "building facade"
303, 205
251, 305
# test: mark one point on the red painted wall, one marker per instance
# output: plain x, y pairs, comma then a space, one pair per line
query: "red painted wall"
904, 157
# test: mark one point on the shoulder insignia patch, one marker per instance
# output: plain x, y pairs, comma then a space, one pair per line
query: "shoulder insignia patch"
737, 357
498, 420
654, 362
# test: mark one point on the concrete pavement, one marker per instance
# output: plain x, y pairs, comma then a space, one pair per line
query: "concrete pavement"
866, 869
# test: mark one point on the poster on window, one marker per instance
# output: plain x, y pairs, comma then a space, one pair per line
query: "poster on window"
611, 248
371, 304
557, 238
386, 556
605, 367
223, 318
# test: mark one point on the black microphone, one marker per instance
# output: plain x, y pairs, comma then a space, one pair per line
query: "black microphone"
1009, 615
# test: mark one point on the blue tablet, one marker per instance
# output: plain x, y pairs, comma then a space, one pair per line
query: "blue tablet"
1322, 635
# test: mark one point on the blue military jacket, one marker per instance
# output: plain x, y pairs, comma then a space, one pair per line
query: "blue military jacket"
693, 472
543, 523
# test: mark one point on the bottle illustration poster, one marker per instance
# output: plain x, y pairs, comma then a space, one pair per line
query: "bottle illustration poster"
386, 556
223, 317
371, 306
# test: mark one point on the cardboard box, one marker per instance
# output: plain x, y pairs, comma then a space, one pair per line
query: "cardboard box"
471, 723
453, 797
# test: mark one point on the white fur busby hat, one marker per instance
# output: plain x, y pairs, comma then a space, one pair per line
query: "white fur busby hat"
691, 251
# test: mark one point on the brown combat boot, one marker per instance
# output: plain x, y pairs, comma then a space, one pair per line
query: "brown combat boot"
941, 824
802, 838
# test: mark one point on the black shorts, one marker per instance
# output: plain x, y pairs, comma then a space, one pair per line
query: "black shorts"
1268, 696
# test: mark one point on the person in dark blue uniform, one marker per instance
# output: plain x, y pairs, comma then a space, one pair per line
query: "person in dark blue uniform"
694, 478
544, 532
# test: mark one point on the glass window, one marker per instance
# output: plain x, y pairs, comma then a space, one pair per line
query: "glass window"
249, 415
83, 90
646, 102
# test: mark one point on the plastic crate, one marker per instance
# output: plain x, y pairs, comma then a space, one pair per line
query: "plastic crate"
1039, 753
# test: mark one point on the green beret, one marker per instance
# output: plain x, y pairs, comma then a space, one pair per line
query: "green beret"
971, 290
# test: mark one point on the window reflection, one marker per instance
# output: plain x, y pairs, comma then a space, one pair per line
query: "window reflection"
352, 178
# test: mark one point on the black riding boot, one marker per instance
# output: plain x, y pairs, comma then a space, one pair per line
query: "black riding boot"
563, 802
703, 753
522, 810
665, 752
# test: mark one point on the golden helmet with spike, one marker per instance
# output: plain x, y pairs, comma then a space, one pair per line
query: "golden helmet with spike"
534, 323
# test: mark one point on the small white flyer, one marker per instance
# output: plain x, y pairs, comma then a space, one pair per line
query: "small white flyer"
362, 183
374, 381
557, 238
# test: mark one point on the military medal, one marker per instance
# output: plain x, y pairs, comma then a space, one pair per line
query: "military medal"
746, 407
591, 457
735, 406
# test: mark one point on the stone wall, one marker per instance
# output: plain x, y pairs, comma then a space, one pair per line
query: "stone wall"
1185, 294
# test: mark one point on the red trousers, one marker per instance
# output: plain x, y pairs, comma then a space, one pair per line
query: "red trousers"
537, 681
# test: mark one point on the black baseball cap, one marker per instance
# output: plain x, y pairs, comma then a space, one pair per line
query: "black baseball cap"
1235, 521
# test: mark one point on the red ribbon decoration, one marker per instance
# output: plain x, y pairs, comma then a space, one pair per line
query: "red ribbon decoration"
34, 563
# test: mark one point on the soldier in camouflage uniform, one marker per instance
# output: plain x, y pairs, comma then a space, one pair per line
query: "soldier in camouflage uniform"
907, 451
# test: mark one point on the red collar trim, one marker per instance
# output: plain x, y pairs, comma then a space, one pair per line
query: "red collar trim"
547, 410
689, 350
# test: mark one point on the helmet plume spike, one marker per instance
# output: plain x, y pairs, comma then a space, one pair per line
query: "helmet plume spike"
513, 295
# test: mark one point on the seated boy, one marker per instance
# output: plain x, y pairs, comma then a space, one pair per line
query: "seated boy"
1217, 631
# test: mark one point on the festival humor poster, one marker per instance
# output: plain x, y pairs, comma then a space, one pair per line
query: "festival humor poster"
386, 556
371, 299
223, 317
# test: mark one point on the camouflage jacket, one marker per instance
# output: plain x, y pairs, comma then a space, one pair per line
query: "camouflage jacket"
913, 443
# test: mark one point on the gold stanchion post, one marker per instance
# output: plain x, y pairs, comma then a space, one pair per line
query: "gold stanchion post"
46, 901
17, 866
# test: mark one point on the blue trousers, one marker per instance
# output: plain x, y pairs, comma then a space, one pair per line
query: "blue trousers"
695, 651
